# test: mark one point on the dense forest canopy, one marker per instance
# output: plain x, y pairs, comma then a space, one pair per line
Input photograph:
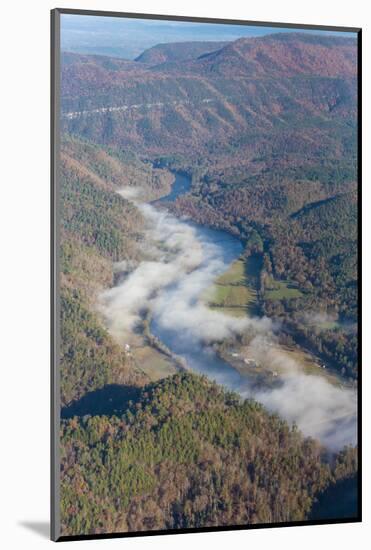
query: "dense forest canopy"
187, 454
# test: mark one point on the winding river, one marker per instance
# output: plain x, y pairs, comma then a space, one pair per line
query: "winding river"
184, 260
219, 250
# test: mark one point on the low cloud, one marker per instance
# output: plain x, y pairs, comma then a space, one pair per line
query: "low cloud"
130, 192
181, 261
181, 264
320, 409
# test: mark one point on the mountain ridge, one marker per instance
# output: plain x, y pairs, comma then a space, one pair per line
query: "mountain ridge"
243, 91
280, 55
171, 51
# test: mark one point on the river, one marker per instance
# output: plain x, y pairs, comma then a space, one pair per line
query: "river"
219, 250
184, 260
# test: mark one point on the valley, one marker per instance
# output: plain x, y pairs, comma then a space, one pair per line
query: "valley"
209, 284
202, 314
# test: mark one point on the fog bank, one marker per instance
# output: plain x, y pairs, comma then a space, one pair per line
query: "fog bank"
181, 261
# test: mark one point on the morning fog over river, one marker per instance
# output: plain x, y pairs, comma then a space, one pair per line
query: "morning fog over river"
183, 259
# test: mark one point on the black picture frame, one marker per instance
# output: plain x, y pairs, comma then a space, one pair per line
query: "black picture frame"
54, 283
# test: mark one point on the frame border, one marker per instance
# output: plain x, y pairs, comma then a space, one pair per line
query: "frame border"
55, 278
54, 283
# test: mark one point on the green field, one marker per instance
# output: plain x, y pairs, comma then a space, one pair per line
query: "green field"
279, 290
154, 363
234, 292
327, 325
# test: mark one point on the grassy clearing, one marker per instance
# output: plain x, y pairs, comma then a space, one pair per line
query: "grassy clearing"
276, 361
234, 292
327, 325
311, 366
154, 363
234, 276
280, 290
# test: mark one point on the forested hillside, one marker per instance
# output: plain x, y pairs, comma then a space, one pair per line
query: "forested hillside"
186, 454
305, 231
98, 227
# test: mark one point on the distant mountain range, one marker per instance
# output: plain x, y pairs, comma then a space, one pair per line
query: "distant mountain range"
275, 55
183, 95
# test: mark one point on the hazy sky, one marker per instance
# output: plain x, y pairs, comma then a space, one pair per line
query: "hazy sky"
128, 38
